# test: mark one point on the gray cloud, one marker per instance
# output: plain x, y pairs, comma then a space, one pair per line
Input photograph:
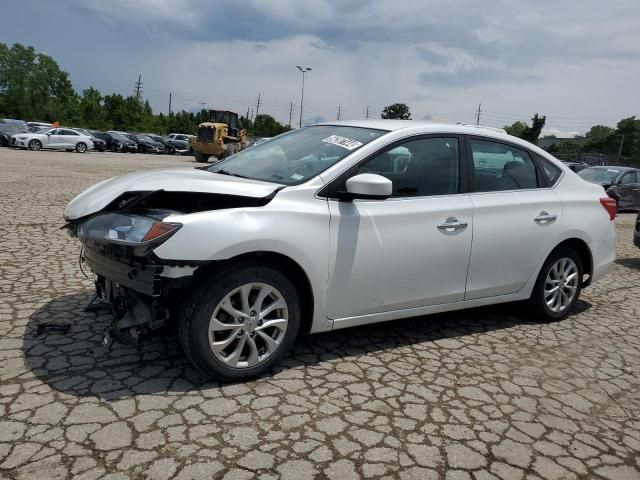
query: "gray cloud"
439, 56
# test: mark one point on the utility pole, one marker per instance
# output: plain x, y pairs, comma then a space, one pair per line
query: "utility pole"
258, 106
620, 148
169, 102
290, 113
202, 104
478, 114
303, 71
339, 112
138, 86
247, 112
251, 114
366, 115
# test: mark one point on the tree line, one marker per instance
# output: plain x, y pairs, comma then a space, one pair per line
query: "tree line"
33, 87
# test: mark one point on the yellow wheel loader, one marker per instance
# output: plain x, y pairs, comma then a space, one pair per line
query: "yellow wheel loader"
220, 137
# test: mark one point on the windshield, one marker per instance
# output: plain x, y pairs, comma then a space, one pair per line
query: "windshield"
297, 156
120, 137
181, 137
144, 138
599, 175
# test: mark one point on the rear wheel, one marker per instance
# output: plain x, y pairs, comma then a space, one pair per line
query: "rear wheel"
35, 145
241, 322
558, 285
201, 157
81, 147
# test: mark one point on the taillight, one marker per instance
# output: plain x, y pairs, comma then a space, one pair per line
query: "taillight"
609, 205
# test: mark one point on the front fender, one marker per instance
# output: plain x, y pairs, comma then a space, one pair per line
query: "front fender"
298, 231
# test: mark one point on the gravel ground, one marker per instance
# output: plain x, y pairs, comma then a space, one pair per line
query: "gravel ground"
481, 394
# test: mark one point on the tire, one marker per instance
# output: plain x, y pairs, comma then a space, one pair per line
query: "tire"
35, 145
201, 157
81, 147
69, 149
140, 149
558, 309
242, 335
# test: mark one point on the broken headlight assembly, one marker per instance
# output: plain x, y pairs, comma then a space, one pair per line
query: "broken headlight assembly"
133, 230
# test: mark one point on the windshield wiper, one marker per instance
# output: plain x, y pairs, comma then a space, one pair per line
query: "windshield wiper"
225, 172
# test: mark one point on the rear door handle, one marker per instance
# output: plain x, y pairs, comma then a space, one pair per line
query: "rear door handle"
452, 224
545, 218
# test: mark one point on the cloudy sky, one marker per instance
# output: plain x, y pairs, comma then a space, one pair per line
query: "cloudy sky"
576, 61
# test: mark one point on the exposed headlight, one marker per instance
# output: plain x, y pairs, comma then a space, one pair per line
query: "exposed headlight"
126, 229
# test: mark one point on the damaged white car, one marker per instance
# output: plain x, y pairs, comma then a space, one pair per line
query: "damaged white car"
338, 225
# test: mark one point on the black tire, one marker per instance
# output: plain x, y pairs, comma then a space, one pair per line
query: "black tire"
81, 147
140, 149
69, 149
537, 300
193, 324
35, 145
201, 157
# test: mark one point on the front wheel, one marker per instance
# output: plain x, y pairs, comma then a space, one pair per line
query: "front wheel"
81, 147
241, 322
35, 145
558, 285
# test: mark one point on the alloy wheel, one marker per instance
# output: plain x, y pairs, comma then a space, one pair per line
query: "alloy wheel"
561, 285
248, 325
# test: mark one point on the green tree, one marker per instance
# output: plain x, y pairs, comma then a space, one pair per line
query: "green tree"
629, 128
90, 109
267, 126
396, 111
526, 132
516, 129
33, 87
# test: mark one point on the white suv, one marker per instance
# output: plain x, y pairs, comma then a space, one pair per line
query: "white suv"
337, 225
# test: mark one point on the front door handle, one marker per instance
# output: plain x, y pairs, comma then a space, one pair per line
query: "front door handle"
545, 218
452, 224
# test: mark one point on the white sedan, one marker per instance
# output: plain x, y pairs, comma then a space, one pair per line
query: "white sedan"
337, 225
56, 138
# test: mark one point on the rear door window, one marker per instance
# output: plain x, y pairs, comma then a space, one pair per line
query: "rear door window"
500, 167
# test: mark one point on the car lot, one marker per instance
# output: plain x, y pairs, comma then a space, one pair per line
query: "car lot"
480, 394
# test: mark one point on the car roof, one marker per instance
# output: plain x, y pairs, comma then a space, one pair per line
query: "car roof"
417, 127
608, 167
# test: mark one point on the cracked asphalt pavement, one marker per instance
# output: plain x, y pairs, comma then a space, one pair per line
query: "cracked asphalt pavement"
482, 394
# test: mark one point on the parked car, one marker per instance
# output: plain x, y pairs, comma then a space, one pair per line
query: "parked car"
159, 139
146, 144
636, 232
7, 130
178, 143
98, 143
620, 183
576, 166
55, 138
320, 229
116, 142
35, 126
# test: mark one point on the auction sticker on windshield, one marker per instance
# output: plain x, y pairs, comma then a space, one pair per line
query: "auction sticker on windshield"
343, 142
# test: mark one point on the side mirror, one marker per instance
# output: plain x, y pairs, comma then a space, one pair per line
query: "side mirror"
368, 186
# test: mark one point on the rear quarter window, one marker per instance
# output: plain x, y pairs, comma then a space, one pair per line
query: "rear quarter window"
549, 170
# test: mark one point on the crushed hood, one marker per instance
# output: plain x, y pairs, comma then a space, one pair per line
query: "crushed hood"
102, 194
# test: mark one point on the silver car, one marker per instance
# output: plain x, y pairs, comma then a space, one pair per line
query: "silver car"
338, 225
55, 138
